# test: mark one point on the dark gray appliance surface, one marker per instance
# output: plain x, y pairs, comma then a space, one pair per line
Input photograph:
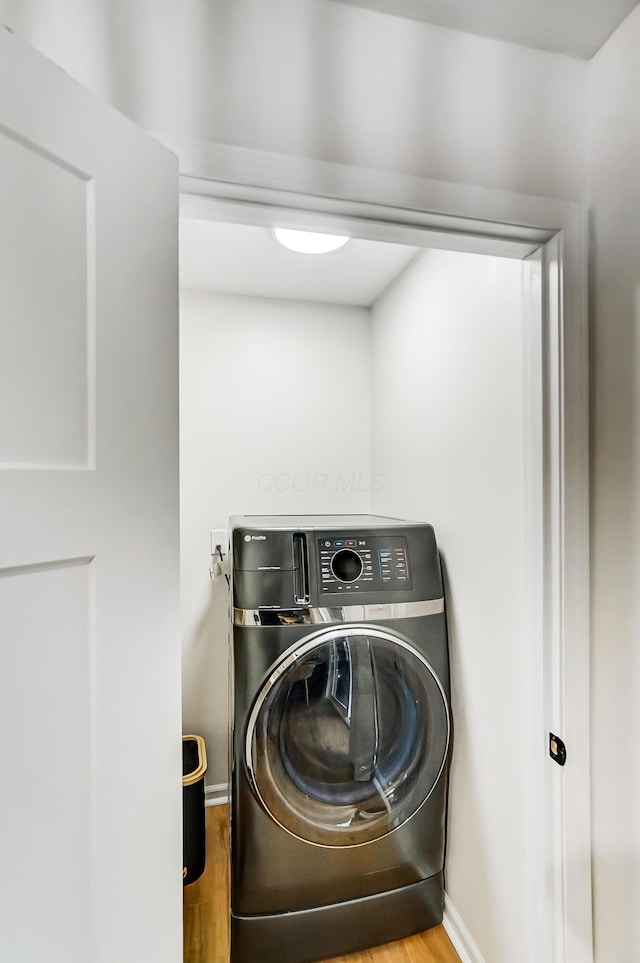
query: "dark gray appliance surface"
400, 561
293, 901
328, 931
292, 873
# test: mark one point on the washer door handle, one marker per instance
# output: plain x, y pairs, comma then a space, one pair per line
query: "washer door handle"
301, 569
364, 735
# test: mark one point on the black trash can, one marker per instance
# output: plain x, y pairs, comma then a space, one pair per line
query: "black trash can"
194, 766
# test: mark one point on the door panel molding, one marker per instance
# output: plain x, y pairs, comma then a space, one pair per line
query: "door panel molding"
88, 495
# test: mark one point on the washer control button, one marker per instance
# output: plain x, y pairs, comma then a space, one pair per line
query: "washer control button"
346, 565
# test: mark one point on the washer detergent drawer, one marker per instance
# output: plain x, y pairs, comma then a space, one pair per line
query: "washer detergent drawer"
259, 551
252, 590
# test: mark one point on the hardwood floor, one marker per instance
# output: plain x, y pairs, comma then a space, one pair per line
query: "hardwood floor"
206, 915
206, 902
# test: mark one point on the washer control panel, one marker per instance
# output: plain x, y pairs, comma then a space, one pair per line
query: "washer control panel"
363, 563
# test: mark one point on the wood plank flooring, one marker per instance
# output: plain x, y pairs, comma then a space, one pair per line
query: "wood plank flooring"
206, 915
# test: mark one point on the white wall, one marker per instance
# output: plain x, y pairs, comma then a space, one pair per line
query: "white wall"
274, 419
447, 428
329, 81
615, 212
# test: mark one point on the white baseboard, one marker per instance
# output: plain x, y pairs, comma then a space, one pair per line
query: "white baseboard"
459, 934
216, 795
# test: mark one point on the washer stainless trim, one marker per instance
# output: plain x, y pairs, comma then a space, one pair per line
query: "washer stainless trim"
339, 613
288, 658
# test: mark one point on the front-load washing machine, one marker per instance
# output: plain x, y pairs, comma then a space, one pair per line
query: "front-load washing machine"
340, 736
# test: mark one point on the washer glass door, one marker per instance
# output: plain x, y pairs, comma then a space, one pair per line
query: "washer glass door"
348, 736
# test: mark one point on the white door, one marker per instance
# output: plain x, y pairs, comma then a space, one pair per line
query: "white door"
90, 779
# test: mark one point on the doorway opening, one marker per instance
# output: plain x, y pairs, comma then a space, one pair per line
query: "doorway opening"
419, 396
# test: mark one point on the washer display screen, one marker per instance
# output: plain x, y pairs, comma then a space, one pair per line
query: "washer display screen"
363, 563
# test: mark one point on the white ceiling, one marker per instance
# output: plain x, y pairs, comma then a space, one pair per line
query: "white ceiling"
575, 27
246, 260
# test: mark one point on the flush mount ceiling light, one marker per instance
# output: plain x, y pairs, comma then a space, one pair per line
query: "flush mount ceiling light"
308, 242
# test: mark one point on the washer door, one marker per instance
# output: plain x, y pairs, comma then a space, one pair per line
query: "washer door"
348, 736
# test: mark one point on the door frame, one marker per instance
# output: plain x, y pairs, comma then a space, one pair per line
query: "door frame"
550, 237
